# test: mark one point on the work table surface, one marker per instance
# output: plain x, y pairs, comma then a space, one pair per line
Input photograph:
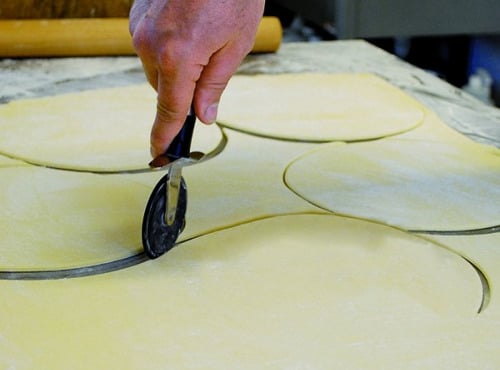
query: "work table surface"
28, 78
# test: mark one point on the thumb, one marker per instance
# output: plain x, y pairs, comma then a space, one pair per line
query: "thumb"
211, 84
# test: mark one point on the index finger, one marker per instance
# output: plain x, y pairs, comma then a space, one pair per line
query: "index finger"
175, 94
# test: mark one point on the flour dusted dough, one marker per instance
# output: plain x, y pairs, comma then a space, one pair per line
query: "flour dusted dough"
484, 251
96, 130
305, 291
55, 219
434, 129
9, 162
243, 183
414, 184
318, 107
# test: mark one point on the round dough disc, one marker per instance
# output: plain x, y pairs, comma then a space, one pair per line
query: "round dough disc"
51, 220
95, 130
317, 107
413, 184
284, 290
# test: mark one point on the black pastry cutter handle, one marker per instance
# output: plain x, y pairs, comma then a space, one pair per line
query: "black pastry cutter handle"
164, 216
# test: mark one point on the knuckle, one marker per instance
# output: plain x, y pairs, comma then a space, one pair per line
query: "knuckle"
142, 42
171, 54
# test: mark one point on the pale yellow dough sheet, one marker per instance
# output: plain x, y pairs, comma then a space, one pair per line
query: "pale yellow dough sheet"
95, 130
9, 162
434, 129
56, 220
318, 107
288, 290
484, 251
303, 291
413, 184
242, 183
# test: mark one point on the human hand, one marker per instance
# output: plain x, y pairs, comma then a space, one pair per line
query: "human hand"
189, 50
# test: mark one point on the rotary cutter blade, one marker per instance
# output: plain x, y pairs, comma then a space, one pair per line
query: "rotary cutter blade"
164, 216
158, 236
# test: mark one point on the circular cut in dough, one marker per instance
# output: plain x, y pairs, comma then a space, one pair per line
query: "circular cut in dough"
282, 291
413, 184
9, 162
317, 107
95, 130
51, 220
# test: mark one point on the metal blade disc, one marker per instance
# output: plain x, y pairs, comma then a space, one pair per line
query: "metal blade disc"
158, 237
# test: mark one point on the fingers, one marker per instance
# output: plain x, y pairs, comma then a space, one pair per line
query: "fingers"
179, 84
174, 101
144, 40
189, 58
176, 83
169, 71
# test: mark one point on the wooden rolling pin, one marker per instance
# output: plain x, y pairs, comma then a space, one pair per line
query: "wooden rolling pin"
94, 36
44, 9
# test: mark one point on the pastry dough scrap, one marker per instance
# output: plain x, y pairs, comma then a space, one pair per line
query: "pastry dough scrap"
285, 291
96, 130
413, 184
318, 107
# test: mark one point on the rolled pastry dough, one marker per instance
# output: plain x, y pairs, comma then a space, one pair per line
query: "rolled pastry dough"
9, 162
484, 251
281, 292
53, 219
413, 184
317, 107
95, 130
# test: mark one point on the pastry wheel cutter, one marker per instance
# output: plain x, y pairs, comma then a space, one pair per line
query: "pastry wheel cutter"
164, 216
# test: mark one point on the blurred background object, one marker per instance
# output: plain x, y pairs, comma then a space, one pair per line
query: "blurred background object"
449, 38
44, 9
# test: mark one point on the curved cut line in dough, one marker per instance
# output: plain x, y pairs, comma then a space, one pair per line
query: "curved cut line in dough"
215, 194
76, 272
115, 265
123, 263
486, 230
60, 220
318, 107
118, 264
6, 162
215, 151
483, 252
105, 130
485, 301
412, 184
140, 257
485, 282
253, 295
